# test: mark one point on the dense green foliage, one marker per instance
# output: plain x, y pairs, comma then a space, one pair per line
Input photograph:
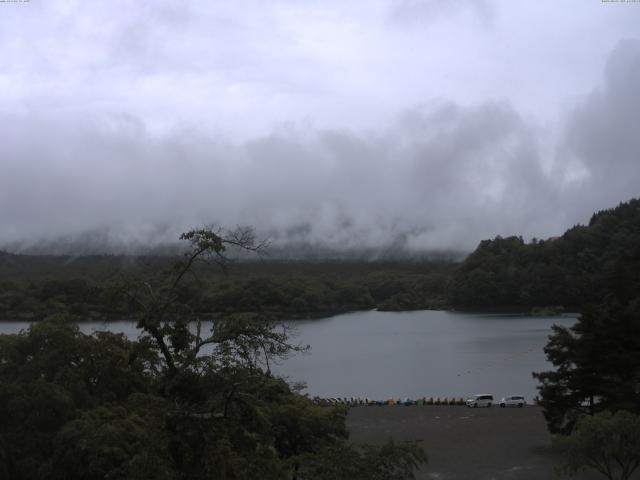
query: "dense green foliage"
608, 443
35, 287
392, 461
583, 266
597, 364
177, 403
101, 406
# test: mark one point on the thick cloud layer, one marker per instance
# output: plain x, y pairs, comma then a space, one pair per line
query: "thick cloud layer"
602, 143
391, 154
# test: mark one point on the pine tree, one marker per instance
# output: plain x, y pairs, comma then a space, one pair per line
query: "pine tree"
597, 365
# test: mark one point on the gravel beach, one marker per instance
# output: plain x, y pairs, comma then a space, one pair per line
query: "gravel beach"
465, 443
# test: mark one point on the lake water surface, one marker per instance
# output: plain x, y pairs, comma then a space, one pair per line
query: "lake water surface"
422, 353
408, 354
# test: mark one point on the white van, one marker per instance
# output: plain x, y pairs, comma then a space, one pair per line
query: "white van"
513, 401
481, 400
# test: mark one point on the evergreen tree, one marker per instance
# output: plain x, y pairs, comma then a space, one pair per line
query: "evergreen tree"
597, 364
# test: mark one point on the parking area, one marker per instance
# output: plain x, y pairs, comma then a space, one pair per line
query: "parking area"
465, 443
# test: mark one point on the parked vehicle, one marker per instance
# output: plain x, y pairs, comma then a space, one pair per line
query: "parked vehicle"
513, 401
480, 400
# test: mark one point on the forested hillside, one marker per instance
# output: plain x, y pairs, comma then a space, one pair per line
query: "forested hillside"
33, 287
583, 266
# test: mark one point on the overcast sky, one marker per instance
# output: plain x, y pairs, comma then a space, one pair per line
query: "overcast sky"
430, 123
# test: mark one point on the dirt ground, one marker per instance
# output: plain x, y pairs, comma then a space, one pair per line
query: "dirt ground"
465, 443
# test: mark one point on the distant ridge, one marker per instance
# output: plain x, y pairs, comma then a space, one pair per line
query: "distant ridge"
101, 242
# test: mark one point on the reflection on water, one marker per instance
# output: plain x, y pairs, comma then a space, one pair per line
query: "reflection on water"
407, 354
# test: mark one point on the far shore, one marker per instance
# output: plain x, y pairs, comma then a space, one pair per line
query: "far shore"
288, 317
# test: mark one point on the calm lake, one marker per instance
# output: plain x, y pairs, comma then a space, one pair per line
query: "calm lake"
408, 354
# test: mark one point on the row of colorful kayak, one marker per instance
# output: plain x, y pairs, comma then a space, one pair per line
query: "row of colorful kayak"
359, 401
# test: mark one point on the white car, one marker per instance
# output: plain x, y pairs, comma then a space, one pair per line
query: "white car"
480, 400
513, 401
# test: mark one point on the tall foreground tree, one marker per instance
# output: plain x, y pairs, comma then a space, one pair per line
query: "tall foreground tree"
177, 403
597, 363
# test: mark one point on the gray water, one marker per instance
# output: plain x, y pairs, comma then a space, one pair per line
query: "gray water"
424, 353
407, 354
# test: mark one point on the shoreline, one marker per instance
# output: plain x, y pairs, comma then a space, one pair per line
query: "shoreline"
498, 311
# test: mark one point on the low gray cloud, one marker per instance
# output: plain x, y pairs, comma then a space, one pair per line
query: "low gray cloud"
425, 11
601, 147
436, 178
127, 126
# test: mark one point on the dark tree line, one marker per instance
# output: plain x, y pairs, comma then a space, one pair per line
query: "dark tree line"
584, 266
283, 289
